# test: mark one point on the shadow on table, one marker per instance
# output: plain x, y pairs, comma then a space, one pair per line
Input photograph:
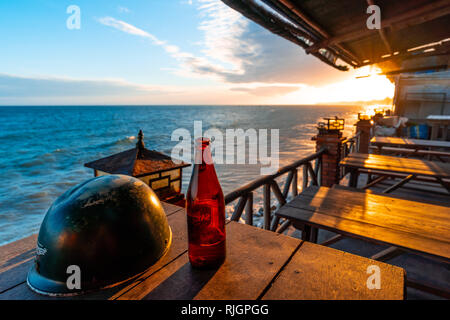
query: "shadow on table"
184, 284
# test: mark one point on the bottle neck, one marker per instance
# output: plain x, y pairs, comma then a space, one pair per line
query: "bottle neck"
203, 154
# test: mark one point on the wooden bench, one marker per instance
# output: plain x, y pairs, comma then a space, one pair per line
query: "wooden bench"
404, 224
430, 154
260, 264
411, 168
417, 144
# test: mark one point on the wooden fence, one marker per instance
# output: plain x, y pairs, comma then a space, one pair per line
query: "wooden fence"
245, 194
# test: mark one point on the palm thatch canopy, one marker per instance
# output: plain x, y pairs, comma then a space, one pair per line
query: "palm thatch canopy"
335, 31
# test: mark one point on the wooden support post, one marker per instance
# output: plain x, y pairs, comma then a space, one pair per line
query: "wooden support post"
284, 226
281, 200
305, 177
332, 240
428, 288
249, 209
353, 181
287, 184
446, 185
399, 184
239, 208
374, 182
314, 235
277, 192
294, 183
306, 232
266, 196
313, 176
387, 254
274, 223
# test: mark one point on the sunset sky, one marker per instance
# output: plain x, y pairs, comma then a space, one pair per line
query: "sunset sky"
160, 52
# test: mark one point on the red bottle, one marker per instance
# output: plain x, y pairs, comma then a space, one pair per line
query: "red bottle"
205, 208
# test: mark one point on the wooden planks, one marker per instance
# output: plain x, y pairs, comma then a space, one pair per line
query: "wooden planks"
411, 143
256, 261
15, 260
346, 276
254, 256
411, 225
397, 164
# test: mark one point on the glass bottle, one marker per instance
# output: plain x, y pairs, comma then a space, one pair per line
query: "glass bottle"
205, 208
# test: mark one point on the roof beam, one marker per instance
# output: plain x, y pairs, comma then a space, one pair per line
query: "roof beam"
382, 32
416, 16
278, 26
440, 48
305, 18
353, 59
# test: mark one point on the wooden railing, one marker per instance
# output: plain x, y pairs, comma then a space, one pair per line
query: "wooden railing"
245, 194
349, 145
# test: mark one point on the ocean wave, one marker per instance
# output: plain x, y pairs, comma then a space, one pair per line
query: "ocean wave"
48, 159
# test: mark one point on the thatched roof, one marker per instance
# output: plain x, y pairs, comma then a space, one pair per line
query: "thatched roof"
335, 31
136, 162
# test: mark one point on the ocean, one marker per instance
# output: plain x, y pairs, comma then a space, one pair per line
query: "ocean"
43, 149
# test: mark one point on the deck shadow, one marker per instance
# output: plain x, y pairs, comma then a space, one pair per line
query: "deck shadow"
184, 284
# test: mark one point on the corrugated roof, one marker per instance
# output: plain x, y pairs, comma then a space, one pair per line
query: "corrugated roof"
335, 31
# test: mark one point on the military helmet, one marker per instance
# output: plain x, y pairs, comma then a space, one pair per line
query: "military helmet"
107, 229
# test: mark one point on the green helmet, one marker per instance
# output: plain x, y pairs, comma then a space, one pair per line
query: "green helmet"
111, 228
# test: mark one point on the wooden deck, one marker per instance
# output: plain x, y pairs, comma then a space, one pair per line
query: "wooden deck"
413, 226
386, 165
260, 264
381, 142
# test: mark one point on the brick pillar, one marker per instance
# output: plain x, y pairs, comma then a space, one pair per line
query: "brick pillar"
330, 160
364, 127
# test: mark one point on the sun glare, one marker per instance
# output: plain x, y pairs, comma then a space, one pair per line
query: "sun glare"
372, 87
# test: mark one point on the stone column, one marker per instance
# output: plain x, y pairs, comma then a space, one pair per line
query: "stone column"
330, 172
364, 127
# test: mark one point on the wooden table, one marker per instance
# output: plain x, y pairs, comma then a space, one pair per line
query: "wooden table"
389, 166
407, 225
260, 264
381, 142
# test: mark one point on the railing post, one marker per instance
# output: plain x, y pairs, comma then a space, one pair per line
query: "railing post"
266, 196
363, 140
305, 177
294, 183
330, 173
249, 209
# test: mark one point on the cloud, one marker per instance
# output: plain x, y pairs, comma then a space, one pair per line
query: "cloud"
267, 90
19, 90
246, 58
190, 64
238, 51
40, 87
257, 54
128, 28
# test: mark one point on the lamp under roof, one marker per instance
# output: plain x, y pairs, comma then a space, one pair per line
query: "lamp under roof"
154, 168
